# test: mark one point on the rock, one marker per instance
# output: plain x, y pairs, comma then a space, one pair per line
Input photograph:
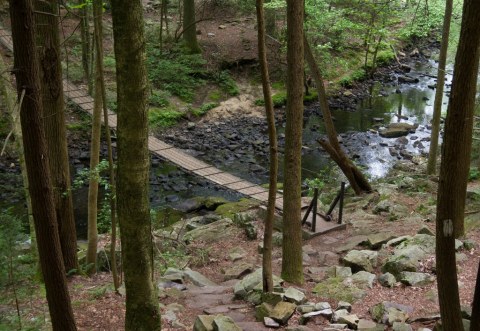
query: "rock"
417, 279
458, 244
203, 323
387, 280
197, 278
169, 284
401, 326
376, 240
397, 241
249, 282
469, 244
174, 275
327, 313
322, 306
367, 325
189, 205
425, 230
351, 320
298, 328
395, 130
351, 243
406, 259
361, 260
270, 323
337, 289
335, 327
222, 26
390, 312
237, 271
272, 298
191, 125
363, 279
211, 232
295, 296
344, 305
407, 80
236, 253
342, 272
338, 314
263, 310
282, 312
224, 323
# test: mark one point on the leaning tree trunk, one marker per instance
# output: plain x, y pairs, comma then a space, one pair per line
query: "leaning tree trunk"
437, 105
54, 122
357, 180
133, 166
292, 268
27, 74
475, 320
272, 136
455, 164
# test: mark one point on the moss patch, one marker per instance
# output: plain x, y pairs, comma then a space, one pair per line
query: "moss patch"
231, 208
333, 288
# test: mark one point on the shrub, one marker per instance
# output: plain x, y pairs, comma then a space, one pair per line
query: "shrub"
163, 117
204, 109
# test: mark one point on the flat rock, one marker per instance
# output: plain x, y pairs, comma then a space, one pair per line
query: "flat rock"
295, 296
224, 323
211, 232
401, 326
270, 323
344, 305
367, 325
238, 270
387, 280
203, 323
236, 253
363, 279
376, 240
395, 130
351, 243
417, 279
197, 278
251, 281
282, 312
351, 320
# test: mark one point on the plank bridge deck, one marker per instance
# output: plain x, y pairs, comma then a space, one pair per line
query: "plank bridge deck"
79, 96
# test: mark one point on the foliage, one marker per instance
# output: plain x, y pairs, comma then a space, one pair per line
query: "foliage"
159, 98
474, 174
357, 75
175, 71
163, 117
225, 81
204, 109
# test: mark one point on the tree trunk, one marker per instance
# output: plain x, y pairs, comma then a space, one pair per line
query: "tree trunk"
86, 45
437, 105
455, 164
189, 27
27, 74
475, 320
133, 165
292, 269
97, 8
357, 180
51, 81
272, 136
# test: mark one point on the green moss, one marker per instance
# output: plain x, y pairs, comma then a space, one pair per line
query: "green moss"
109, 62
204, 109
333, 288
231, 208
385, 56
313, 96
162, 218
278, 85
267, 185
215, 96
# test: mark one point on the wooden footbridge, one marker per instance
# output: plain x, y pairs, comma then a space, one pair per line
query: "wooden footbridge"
79, 96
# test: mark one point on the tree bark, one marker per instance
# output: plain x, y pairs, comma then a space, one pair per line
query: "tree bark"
51, 81
189, 27
133, 165
272, 136
292, 269
86, 45
455, 164
475, 320
27, 74
357, 180
437, 105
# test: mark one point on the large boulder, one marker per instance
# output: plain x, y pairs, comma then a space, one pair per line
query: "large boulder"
395, 130
361, 260
252, 281
212, 232
417, 279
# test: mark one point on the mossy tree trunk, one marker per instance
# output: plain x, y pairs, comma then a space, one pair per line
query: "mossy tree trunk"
292, 268
51, 81
437, 105
27, 72
455, 165
133, 166
272, 136
357, 180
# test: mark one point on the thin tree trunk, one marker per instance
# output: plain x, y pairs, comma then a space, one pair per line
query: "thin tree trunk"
97, 8
86, 45
437, 105
27, 74
357, 180
94, 159
292, 268
54, 122
475, 320
142, 309
189, 27
455, 164
272, 136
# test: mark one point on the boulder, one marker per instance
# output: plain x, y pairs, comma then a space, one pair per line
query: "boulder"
211, 232
417, 279
387, 280
401, 326
251, 281
367, 325
263, 310
197, 278
395, 130
224, 323
376, 240
282, 312
363, 279
204, 323
236, 253
390, 312
237, 271
295, 296
361, 260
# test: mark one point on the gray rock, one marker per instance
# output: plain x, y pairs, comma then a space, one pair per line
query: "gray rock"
397, 241
237, 271
335, 327
338, 314
298, 328
249, 282
395, 130
322, 306
174, 275
405, 258
306, 308
270, 323
282, 312
204, 323
211, 232
344, 305
224, 323
468, 244
197, 278
263, 310
342, 272
272, 297
425, 230
351, 243
351, 320
387, 280
389, 312
364, 279
367, 325
327, 313
458, 244
417, 279
361, 260
236, 253
295, 296
376, 240
401, 326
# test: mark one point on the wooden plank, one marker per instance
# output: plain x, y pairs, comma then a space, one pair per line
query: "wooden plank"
180, 158
88, 106
224, 178
239, 185
156, 145
252, 190
208, 170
